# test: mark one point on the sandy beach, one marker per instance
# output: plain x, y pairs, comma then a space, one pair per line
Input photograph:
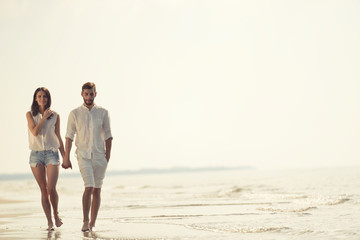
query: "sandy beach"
241, 204
11, 214
24, 219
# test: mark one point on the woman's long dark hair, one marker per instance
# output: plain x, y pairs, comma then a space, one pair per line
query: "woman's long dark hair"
35, 105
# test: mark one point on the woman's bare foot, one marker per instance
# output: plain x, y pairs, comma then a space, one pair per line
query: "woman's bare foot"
92, 227
50, 227
58, 221
85, 227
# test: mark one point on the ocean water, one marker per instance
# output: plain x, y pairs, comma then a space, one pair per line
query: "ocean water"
239, 204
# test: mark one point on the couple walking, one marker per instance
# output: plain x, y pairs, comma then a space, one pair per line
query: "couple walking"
89, 124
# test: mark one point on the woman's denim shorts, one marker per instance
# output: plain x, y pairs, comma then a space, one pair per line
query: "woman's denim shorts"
44, 158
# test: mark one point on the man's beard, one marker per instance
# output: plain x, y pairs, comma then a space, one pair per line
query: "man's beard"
89, 102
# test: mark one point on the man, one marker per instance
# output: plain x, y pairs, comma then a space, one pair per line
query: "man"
91, 125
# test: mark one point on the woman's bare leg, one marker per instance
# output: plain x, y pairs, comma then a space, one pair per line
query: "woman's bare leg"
52, 175
39, 174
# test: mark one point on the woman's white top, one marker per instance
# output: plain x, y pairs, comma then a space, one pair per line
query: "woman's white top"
46, 139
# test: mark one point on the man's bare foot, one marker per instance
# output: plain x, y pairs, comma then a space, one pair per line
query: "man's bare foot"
85, 227
58, 221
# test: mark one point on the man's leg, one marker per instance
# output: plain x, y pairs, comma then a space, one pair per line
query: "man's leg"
100, 166
95, 205
87, 173
86, 202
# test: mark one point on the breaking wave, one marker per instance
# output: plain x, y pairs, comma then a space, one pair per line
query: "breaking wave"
224, 228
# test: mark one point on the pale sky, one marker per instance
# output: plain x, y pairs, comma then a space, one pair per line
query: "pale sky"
190, 83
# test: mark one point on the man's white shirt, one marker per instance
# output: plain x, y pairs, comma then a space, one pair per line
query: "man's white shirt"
91, 128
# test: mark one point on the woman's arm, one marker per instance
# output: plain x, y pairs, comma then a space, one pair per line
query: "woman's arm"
66, 161
57, 132
34, 129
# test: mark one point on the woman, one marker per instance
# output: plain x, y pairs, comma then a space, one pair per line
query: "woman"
44, 143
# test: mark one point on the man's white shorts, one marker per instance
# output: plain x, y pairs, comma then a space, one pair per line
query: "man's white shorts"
93, 171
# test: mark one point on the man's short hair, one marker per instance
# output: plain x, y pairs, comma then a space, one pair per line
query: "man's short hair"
89, 85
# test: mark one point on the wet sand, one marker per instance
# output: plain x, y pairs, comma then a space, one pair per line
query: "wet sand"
314, 204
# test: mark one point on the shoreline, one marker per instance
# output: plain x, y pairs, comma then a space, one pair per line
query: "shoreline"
195, 205
144, 171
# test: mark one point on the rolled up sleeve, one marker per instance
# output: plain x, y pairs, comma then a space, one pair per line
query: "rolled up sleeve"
106, 126
71, 127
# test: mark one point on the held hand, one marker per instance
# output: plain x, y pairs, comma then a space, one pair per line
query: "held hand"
66, 163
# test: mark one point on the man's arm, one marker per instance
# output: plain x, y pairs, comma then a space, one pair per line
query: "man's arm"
108, 135
108, 143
